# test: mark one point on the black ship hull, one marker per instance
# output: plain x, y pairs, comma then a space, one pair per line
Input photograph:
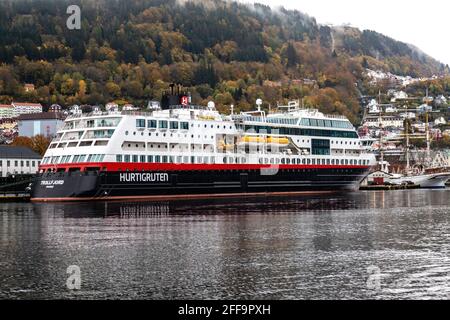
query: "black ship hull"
169, 184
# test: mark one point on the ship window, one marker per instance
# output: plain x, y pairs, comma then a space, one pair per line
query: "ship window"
135, 158
163, 124
283, 161
127, 158
82, 158
164, 159
142, 158
118, 158
184, 125
186, 159
173, 125
90, 157
149, 158
151, 124
157, 159
140, 123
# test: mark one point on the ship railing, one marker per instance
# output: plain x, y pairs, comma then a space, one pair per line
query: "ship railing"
94, 114
188, 107
336, 116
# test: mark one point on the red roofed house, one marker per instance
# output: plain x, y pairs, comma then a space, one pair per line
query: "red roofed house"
28, 87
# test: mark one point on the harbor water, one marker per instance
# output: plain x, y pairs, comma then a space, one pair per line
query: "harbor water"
362, 245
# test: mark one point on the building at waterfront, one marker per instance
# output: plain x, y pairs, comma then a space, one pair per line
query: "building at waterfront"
6, 111
18, 160
46, 123
384, 121
26, 108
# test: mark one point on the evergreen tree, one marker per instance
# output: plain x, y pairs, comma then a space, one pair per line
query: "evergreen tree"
291, 55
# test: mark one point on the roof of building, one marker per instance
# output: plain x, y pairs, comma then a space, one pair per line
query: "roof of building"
42, 116
26, 104
8, 152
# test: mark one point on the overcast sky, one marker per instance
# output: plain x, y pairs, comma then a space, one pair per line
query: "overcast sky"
425, 24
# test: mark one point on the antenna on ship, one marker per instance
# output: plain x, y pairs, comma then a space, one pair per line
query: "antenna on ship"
211, 105
259, 103
232, 109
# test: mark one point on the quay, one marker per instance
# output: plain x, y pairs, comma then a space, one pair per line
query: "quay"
14, 197
389, 187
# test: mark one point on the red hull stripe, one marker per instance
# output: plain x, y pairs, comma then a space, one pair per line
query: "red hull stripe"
134, 166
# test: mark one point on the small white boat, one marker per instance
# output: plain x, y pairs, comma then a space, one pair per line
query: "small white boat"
432, 180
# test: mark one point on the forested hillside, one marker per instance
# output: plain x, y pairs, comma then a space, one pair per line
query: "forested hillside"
130, 50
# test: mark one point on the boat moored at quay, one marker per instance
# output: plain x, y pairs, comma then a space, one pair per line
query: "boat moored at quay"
183, 150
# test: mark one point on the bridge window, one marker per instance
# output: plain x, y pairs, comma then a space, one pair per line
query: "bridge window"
151, 124
118, 158
140, 123
173, 125
163, 124
184, 125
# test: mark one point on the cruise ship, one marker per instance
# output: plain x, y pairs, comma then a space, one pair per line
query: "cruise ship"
181, 150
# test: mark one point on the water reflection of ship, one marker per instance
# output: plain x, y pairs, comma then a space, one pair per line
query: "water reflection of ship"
136, 210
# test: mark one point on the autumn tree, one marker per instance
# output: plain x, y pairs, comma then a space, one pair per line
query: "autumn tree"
40, 143
23, 142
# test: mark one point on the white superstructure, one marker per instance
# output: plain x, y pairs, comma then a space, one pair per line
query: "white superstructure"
200, 135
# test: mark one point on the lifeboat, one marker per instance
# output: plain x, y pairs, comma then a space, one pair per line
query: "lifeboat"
206, 117
278, 141
250, 139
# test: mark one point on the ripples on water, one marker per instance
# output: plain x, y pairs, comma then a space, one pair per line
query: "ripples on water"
312, 247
